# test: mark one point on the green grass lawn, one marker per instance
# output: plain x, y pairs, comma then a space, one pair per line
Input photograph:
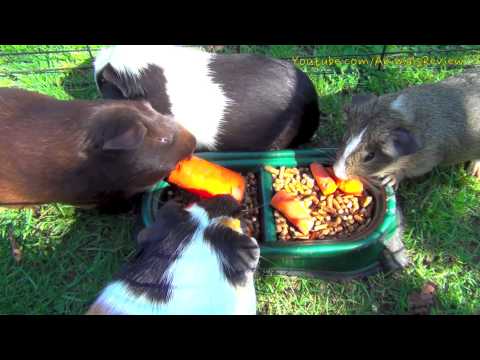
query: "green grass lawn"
68, 255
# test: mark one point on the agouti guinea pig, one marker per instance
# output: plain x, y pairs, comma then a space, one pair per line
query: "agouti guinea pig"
406, 134
192, 261
237, 102
83, 152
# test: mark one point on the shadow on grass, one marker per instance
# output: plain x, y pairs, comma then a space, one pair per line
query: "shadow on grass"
66, 260
442, 238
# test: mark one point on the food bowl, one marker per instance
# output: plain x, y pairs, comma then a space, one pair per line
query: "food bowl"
360, 254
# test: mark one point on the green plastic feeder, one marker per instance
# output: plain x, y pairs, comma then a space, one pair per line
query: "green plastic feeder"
359, 255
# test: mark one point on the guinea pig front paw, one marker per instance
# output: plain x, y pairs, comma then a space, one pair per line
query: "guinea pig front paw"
395, 258
474, 168
391, 180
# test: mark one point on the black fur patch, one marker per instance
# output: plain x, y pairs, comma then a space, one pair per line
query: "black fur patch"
150, 85
265, 113
154, 82
166, 219
221, 205
158, 247
117, 85
306, 94
239, 253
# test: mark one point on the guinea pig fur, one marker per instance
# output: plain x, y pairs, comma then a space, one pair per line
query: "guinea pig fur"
83, 152
228, 102
188, 263
407, 133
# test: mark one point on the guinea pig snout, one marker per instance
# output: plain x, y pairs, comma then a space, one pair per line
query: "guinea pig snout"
186, 142
352, 145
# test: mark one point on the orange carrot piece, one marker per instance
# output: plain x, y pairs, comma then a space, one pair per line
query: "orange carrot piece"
207, 179
330, 172
294, 210
232, 223
351, 186
323, 179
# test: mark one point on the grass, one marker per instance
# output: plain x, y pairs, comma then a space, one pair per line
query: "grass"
70, 254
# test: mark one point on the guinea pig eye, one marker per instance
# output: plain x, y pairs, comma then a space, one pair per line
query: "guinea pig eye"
164, 140
369, 156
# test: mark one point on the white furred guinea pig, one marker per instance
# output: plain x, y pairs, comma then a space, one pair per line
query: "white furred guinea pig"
192, 261
229, 102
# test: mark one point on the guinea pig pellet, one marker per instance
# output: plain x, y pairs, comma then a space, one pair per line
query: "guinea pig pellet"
250, 209
339, 214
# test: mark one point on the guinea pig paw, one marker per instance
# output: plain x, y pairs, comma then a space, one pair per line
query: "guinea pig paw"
474, 168
390, 180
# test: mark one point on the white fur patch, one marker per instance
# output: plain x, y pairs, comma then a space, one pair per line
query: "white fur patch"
199, 286
118, 299
197, 102
339, 168
200, 215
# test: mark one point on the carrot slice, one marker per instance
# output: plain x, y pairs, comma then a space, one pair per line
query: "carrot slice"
351, 186
232, 223
294, 210
330, 172
323, 179
207, 179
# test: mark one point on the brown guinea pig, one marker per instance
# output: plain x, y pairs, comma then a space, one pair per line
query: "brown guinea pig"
83, 153
406, 134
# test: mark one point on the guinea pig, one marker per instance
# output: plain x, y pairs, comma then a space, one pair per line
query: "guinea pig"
83, 153
191, 261
236, 102
407, 133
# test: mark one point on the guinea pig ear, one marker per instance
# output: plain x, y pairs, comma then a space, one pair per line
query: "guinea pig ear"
359, 100
128, 138
400, 142
114, 84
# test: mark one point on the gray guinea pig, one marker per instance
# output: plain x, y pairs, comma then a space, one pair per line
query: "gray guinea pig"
407, 133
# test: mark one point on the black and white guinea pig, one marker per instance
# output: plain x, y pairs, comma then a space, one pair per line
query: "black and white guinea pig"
192, 261
236, 102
